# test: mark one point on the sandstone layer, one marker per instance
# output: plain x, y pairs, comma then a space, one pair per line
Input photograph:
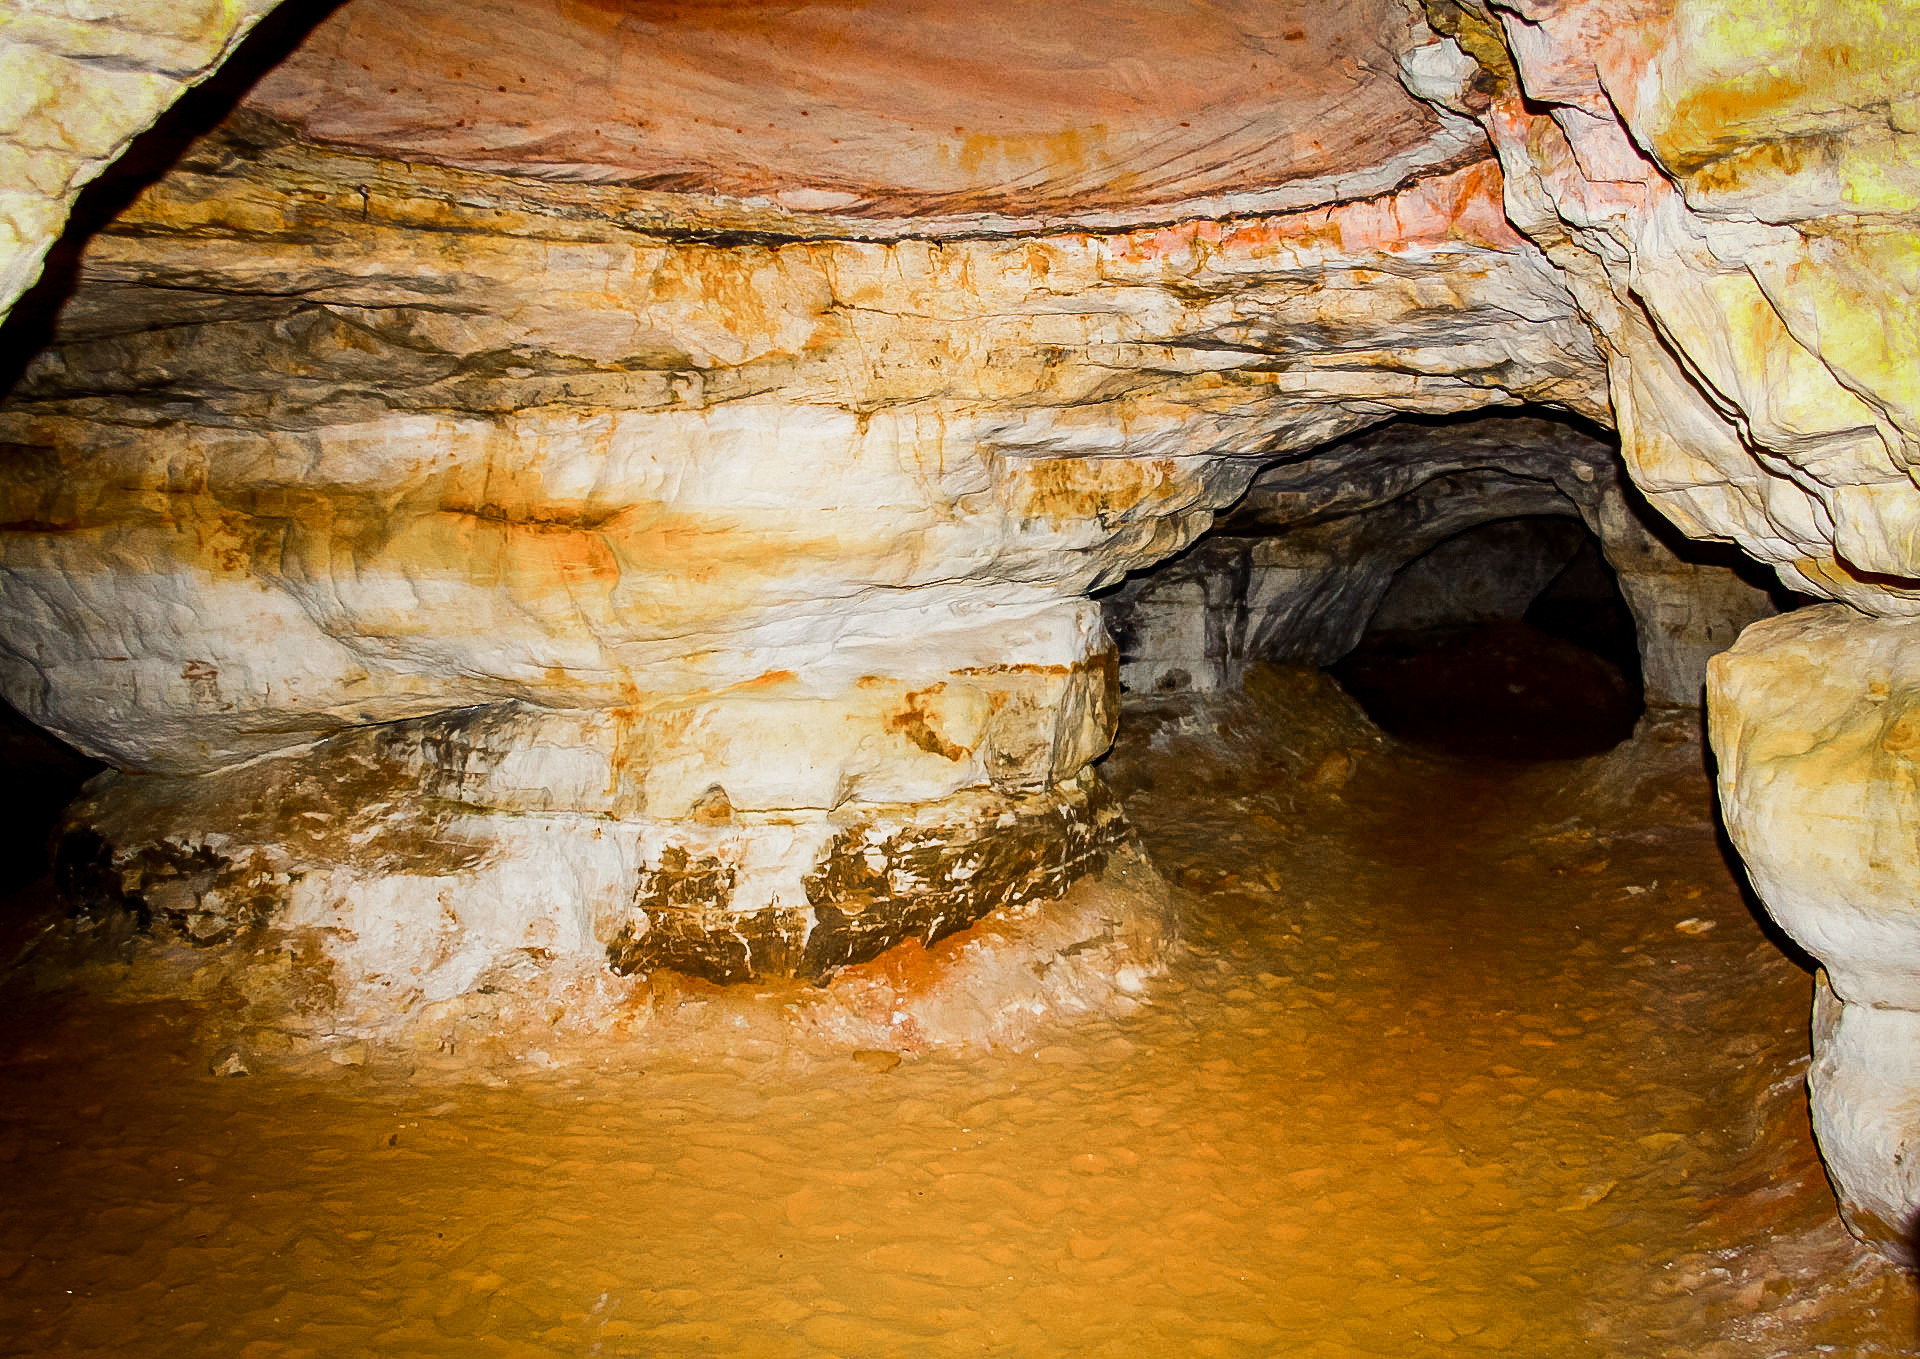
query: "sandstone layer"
1731, 192
558, 548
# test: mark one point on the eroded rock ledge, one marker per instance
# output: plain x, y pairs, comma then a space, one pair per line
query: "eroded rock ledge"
461, 550
1296, 570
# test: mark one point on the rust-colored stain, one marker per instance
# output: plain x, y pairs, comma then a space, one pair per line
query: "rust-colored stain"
915, 722
998, 105
766, 679
1105, 661
867, 892
1465, 205
605, 569
1083, 488
1070, 149
1750, 164
712, 808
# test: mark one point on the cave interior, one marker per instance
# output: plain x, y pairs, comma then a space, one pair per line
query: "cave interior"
869, 677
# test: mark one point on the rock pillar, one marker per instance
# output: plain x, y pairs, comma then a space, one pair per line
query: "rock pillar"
1815, 721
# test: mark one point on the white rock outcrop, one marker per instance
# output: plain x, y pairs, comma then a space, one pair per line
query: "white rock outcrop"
1816, 723
77, 84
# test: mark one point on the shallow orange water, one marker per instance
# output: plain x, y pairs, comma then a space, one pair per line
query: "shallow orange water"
1431, 1078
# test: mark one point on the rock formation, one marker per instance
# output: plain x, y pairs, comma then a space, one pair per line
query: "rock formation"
555, 560
628, 479
1298, 568
80, 82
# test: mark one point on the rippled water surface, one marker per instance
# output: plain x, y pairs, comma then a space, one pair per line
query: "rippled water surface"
1441, 1071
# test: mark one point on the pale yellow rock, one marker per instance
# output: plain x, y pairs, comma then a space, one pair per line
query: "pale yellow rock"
77, 84
1747, 200
1815, 720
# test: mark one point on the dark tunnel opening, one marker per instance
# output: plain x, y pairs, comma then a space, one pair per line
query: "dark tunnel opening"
1508, 641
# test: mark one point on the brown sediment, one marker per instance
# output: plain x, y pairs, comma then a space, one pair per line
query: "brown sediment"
870, 889
874, 885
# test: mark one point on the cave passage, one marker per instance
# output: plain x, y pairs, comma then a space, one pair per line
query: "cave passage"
1458, 1060
548, 505
1508, 641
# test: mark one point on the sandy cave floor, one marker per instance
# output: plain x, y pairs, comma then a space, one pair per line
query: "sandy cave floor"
1455, 1059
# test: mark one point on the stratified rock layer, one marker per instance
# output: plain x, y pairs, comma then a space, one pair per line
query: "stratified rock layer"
991, 115
1733, 192
702, 579
758, 476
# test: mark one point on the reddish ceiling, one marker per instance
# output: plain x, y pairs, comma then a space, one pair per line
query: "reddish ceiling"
879, 107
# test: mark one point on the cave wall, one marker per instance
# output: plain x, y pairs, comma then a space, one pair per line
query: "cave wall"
1488, 573
682, 574
1732, 204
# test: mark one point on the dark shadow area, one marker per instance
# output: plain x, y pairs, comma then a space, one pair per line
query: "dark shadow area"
39, 776
1501, 690
30, 326
1471, 654
1583, 605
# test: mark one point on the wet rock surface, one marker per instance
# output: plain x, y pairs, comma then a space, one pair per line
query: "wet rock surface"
1453, 1062
621, 495
358, 419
